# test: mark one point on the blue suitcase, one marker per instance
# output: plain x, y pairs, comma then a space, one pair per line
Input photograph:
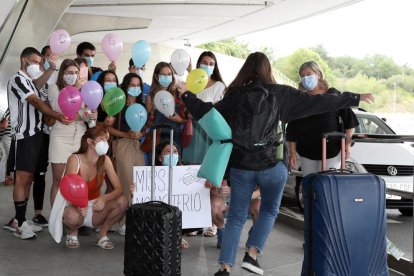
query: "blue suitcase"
345, 223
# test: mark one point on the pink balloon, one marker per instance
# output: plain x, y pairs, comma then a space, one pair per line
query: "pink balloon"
112, 46
92, 94
70, 101
59, 41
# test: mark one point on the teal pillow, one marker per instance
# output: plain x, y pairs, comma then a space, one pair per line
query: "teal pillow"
215, 162
215, 125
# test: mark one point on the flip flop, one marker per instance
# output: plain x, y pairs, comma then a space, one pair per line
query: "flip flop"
72, 241
105, 243
210, 231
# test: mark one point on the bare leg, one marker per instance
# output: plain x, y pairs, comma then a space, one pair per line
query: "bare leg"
254, 208
57, 171
72, 218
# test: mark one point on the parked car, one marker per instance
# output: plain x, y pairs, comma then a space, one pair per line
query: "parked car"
391, 161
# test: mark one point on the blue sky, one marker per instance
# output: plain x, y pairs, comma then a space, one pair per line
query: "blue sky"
365, 28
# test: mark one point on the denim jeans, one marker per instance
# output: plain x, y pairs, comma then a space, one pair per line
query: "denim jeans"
243, 182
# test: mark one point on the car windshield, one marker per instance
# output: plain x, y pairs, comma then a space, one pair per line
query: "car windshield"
372, 125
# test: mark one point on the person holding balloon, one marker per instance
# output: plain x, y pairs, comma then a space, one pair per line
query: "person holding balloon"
163, 103
89, 207
65, 139
108, 80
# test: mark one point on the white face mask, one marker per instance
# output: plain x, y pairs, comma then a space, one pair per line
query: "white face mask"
70, 79
33, 70
101, 147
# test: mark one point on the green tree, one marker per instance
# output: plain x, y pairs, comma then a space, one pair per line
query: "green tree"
229, 47
346, 66
380, 66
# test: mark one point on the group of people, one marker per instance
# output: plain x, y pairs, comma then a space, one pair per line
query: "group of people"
103, 149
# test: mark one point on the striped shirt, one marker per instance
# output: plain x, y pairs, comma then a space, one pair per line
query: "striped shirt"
6, 132
25, 119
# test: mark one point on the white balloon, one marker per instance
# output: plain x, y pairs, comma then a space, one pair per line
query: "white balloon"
164, 102
180, 60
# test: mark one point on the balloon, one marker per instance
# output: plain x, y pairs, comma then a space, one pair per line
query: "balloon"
141, 52
96, 75
164, 102
70, 101
180, 60
113, 101
74, 189
197, 80
112, 46
92, 94
136, 116
59, 41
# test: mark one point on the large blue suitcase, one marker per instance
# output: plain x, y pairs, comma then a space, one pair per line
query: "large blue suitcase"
345, 225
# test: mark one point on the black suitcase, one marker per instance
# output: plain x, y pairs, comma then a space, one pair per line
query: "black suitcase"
153, 233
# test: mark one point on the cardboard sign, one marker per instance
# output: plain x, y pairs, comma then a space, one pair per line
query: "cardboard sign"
188, 192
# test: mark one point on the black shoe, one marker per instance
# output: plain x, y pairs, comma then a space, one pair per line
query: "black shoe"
40, 220
222, 273
251, 264
84, 231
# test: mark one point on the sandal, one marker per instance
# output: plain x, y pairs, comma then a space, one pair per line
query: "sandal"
72, 241
211, 231
184, 244
195, 233
105, 243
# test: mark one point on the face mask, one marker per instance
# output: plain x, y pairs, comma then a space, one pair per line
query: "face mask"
89, 60
70, 79
140, 73
134, 91
165, 81
166, 160
109, 85
208, 68
33, 70
310, 82
46, 64
101, 147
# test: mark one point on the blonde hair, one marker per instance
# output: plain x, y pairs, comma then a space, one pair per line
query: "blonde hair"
322, 83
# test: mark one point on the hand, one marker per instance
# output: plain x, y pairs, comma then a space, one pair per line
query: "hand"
292, 161
112, 67
176, 119
109, 120
98, 204
367, 97
49, 120
132, 189
52, 61
80, 82
225, 190
208, 184
134, 134
181, 87
83, 211
63, 119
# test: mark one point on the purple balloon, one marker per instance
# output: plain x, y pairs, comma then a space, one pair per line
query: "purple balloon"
92, 94
70, 101
59, 41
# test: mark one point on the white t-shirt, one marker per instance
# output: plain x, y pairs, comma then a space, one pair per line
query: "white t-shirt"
213, 93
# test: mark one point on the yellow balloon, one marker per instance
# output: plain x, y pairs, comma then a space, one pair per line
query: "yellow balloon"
197, 80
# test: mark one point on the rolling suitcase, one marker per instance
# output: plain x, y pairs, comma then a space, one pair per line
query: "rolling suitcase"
345, 222
153, 232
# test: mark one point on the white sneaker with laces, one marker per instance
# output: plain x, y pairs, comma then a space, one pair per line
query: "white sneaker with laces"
25, 232
35, 228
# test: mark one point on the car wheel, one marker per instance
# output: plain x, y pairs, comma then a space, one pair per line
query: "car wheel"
406, 211
299, 194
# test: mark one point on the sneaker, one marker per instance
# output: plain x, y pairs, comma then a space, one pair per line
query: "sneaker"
40, 220
121, 230
222, 273
24, 232
251, 264
33, 226
9, 226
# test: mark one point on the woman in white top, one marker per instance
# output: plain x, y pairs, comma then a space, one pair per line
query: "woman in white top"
65, 139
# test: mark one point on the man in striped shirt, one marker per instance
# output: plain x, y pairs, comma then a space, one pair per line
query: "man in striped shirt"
26, 109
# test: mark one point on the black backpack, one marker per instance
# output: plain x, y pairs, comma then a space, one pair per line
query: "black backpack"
255, 120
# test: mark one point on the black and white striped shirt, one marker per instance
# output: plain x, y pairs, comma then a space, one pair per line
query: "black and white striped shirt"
25, 119
6, 132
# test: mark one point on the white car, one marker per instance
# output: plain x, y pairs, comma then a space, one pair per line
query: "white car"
393, 161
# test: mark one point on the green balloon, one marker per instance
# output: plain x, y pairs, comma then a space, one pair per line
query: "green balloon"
114, 101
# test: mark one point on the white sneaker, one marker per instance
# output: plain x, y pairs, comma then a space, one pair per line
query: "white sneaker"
121, 230
25, 232
35, 228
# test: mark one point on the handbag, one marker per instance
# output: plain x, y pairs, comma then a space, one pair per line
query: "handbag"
146, 146
187, 134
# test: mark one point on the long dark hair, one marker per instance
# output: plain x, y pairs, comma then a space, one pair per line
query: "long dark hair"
127, 81
101, 78
256, 69
65, 64
160, 146
155, 85
93, 133
216, 73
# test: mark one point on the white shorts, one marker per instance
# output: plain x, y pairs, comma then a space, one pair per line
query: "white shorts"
88, 218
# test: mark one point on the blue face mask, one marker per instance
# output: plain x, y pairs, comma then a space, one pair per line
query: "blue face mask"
109, 85
46, 64
134, 91
208, 68
166, 160
89, 60
310, 82
165, 81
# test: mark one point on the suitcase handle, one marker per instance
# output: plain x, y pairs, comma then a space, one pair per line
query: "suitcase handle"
324, 141
162, 125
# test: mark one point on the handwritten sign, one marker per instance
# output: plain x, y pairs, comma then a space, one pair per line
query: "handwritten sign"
188, 192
